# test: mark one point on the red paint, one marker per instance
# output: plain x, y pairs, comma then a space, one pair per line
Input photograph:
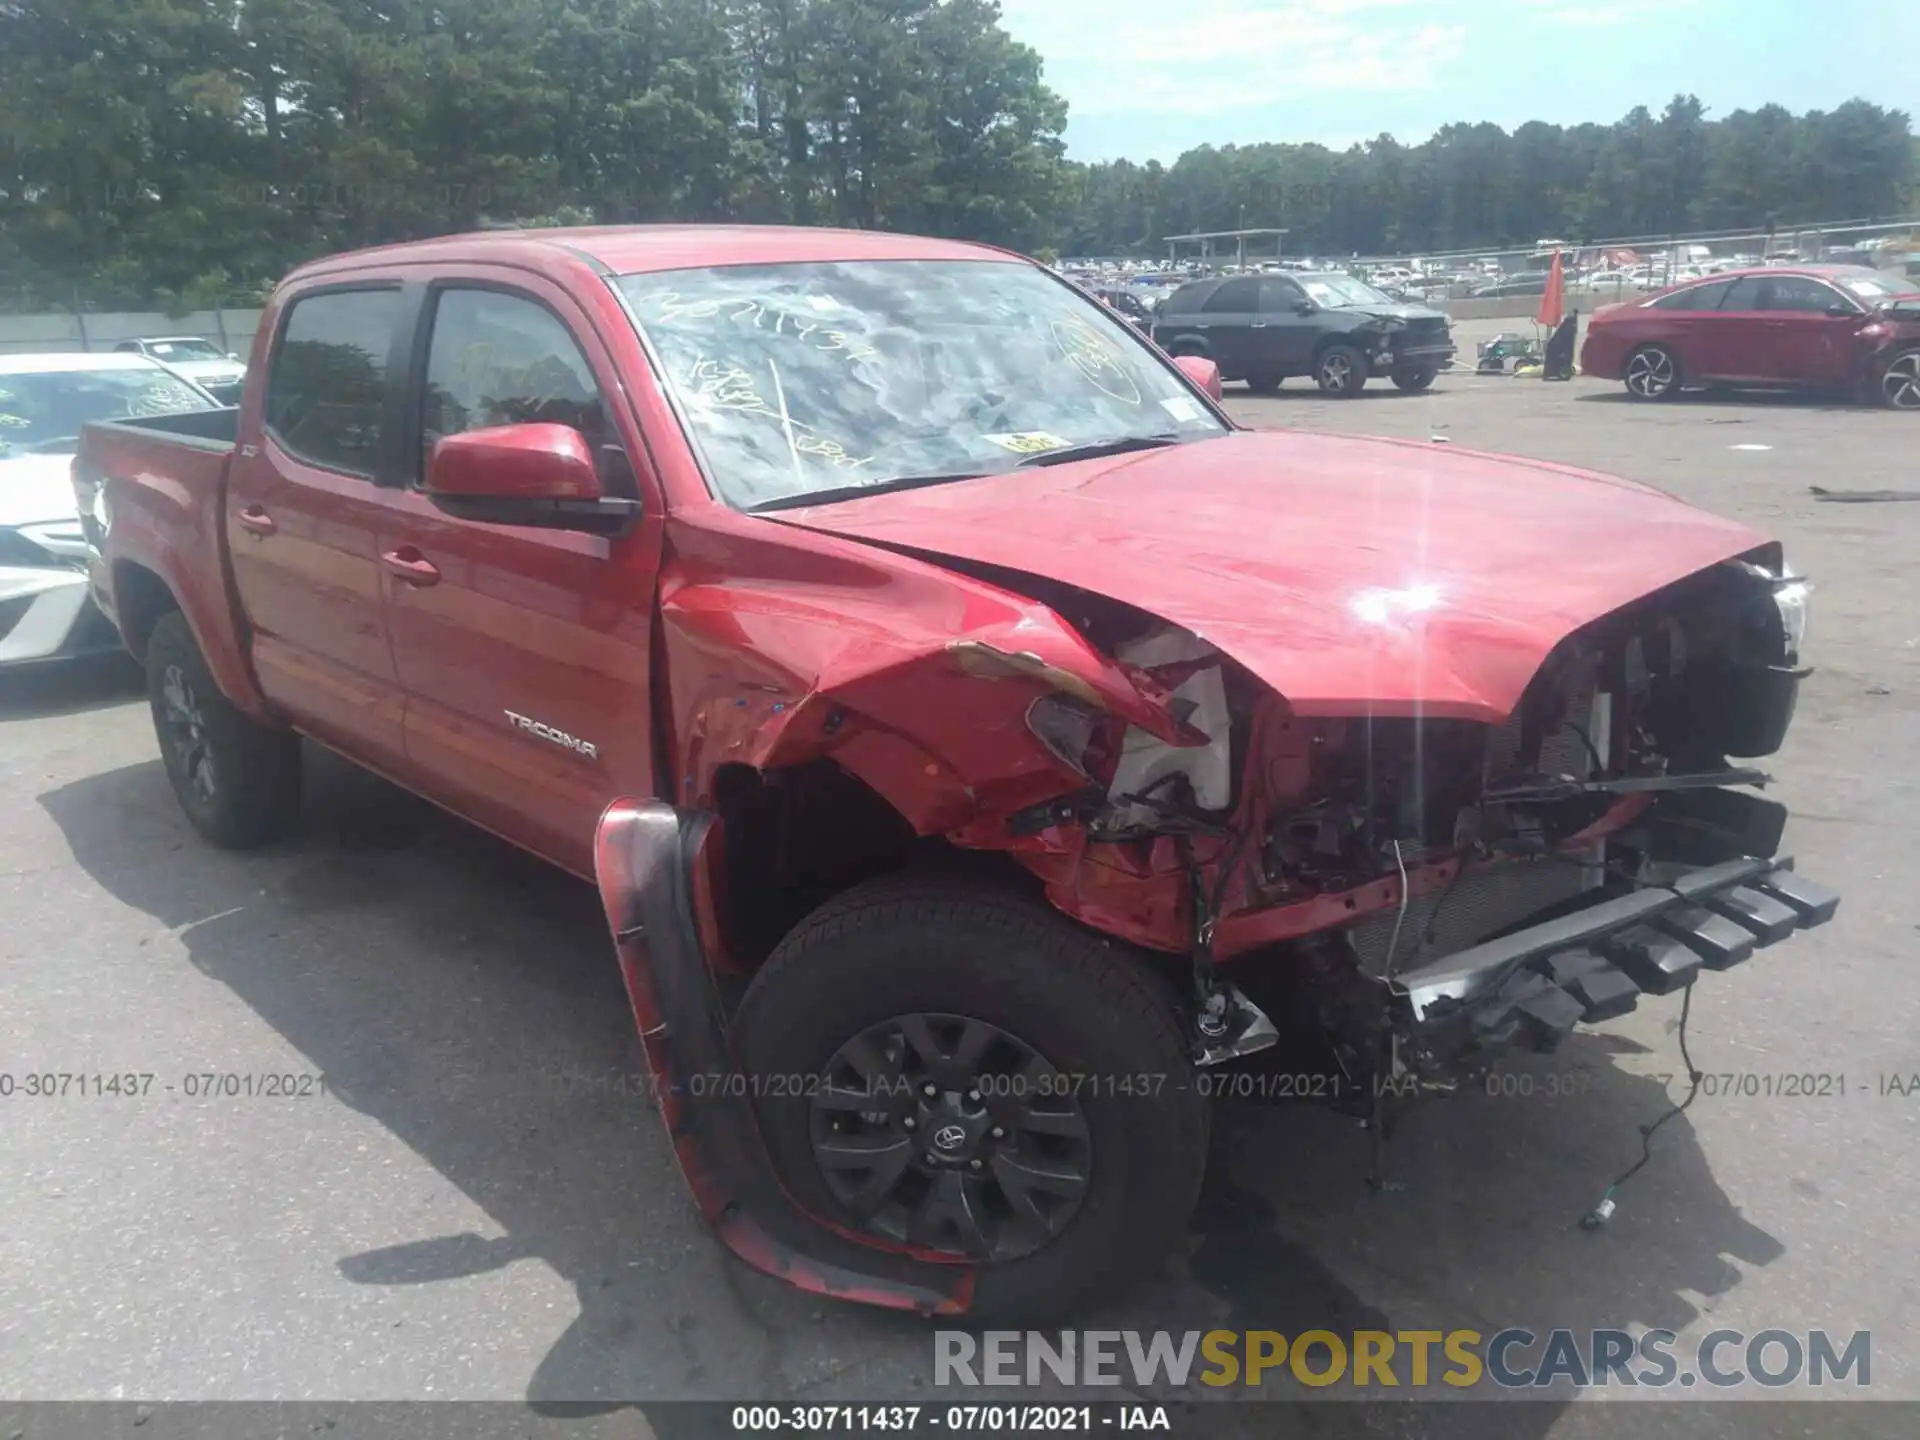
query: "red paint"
1751, 344
528, 679
519, 462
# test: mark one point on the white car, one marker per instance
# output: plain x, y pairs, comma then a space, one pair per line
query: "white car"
46, 604
218, 372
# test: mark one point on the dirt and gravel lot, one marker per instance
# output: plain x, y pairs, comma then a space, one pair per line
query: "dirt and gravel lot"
449, 1212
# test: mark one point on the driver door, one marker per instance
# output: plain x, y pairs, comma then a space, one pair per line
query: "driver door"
1288, 335
524, 653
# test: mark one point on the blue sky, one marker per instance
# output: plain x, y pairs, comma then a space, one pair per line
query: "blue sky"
1148, 79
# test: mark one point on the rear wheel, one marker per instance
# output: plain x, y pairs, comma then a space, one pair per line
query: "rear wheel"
237, 780
1264, 383
1341, 371
950, 1066
1415, 377
1900, 381
1653, 373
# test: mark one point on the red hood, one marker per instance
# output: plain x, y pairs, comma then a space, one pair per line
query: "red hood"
1352, 575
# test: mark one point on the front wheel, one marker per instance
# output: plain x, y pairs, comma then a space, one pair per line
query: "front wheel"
1653, 373
1415, 377
1900, 381
237, 780
946, 1065
1341, 371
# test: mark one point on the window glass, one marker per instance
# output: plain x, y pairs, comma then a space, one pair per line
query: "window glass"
44, 410
1279, 295
1235, 297
329, 375
1695, 297
1745, 294
1799, 293
498, 359
803, 377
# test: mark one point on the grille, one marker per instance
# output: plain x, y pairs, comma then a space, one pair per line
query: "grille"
1479, 904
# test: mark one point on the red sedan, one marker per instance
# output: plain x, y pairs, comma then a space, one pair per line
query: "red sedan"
1827, 327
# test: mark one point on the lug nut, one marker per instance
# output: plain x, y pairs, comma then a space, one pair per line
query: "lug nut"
998, 1133
975, 1164
973, 1097
928, 1091
907, 1124
932, 1159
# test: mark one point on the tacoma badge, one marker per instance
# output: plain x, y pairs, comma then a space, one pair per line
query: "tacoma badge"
558, 737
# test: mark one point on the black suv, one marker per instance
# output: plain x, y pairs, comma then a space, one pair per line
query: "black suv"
1263, 328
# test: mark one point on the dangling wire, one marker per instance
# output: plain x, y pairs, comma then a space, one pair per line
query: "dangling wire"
1602, 1211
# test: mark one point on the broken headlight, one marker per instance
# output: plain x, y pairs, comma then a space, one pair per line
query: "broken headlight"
1790, 592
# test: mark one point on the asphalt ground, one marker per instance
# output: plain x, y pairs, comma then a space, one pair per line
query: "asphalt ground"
450, 1213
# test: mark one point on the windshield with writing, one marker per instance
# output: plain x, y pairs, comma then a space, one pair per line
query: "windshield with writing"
45, 409
799, 378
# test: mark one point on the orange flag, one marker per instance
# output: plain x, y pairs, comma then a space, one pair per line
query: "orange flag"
1553, 300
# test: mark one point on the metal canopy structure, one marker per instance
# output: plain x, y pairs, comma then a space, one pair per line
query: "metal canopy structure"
1206, 239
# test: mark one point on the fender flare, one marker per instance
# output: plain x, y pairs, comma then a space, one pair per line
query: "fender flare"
647, 856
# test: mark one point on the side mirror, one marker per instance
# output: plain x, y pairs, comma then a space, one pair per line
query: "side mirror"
1840, 311
1304, 307
1202, 372
534, 474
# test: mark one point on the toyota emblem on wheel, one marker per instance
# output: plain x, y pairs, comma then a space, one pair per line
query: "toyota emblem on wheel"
949, 1137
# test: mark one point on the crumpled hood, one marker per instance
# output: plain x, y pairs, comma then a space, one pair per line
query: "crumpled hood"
35, 489
1351, 575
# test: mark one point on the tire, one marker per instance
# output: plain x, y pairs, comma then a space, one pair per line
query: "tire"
1415, 377
237, 780
1340, 371
957, 953
1899, 383
1264, 384
1652, 373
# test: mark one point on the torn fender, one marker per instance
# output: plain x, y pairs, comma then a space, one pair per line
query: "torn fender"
646, 855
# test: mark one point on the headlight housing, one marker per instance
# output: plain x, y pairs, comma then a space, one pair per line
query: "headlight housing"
1790, 594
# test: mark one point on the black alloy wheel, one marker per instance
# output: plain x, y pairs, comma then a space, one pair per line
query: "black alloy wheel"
949, 1134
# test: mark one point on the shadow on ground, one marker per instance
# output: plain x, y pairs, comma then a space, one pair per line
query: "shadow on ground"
464, 996
69, 686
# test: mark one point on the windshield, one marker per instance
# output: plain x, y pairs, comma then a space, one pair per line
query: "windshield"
44, 410
1334, 291
185, 350
802, 378
1879, 285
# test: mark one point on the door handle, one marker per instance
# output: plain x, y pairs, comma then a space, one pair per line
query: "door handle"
256, 519
1257, 325
409, 566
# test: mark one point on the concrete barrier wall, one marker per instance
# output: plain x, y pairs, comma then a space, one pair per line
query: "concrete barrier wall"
63, 331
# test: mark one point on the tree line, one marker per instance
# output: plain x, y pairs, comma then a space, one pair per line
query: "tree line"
178, 152
1479, 187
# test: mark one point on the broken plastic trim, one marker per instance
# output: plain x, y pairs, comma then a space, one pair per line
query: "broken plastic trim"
645, 852
1594, 962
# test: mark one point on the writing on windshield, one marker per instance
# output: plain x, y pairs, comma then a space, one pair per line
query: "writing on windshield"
797, 378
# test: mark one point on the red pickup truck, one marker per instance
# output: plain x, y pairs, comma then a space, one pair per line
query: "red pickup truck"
984, 749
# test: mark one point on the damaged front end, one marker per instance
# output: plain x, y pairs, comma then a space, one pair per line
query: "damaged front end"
1416, 893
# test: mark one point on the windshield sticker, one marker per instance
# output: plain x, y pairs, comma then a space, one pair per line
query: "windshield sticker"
1028, 442
1182, 407
1095, 357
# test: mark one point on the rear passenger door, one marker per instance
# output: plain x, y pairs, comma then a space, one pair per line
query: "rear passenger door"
1285, 339
1685, 325
1227, 318
1736, 340
305, 509
493, 622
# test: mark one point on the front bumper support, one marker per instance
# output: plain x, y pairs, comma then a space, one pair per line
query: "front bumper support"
1534, 985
